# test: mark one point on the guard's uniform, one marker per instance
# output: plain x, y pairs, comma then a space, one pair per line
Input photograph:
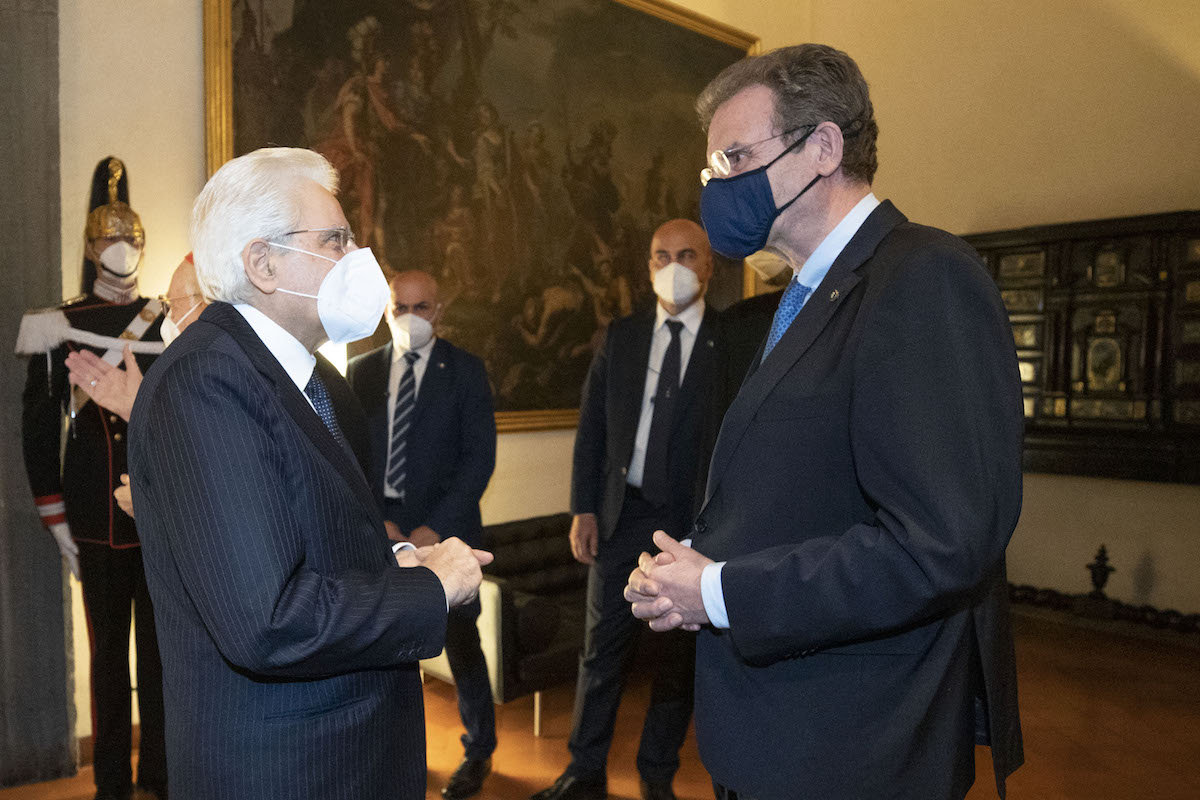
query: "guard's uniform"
75, 484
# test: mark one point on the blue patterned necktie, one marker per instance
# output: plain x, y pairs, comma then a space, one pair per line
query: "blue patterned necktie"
402, 410
319, 396
789, 306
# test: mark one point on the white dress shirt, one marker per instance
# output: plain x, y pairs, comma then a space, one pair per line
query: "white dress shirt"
811, 274
691, 317
396, 371
294, 357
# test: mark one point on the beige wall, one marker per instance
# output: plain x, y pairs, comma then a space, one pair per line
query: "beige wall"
993, 115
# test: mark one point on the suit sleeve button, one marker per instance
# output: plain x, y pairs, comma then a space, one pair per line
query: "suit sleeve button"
624, 470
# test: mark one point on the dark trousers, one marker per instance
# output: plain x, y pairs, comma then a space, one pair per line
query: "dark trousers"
114, 584
609, 635
469, 668
467, 664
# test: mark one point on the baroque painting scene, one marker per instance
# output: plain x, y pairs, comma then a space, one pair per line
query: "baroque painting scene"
522, 151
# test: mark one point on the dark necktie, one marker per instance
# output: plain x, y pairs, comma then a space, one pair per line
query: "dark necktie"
319, 396
666, 396
402, 411
789, 306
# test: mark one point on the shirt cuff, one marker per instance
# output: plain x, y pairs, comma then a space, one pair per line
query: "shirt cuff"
714, 595
398, 546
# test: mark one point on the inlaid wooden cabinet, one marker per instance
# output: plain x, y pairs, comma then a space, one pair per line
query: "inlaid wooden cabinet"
1106, 319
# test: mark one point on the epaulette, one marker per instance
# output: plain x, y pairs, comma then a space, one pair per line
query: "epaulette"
74, 301
42, 330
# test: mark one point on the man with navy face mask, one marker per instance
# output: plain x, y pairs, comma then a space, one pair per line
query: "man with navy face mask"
290, 630
846, 571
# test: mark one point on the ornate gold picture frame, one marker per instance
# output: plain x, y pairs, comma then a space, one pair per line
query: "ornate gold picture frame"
522, 151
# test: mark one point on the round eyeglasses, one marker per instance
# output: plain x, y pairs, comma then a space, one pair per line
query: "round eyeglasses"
721, 163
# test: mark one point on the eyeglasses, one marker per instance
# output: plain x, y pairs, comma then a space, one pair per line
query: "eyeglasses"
167, 301
722, 162
337, 238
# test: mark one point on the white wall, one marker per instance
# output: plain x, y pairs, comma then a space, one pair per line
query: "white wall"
992, 116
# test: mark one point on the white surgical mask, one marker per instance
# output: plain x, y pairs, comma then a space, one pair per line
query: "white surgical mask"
410, 332
169, 330
676, 284
121, 259
351, 298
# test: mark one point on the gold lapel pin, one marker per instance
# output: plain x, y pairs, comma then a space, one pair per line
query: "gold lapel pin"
834, 295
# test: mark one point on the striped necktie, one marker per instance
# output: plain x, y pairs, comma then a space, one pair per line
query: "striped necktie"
402, 411
789, 306
319, 395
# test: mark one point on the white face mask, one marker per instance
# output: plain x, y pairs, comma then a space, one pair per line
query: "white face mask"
676, 284
169, 330
121, 259
351, 298
410, 332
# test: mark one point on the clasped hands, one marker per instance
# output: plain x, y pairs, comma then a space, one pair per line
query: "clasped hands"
665, 589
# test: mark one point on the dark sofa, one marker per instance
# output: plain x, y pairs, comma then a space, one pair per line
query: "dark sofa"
533, 595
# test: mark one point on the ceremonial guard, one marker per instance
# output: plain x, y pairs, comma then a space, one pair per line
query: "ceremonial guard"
74, 491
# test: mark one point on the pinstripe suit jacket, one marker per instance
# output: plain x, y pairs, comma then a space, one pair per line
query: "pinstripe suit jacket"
289, 636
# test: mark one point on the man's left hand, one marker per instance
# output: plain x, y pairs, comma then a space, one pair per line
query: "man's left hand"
665, 589
424, 536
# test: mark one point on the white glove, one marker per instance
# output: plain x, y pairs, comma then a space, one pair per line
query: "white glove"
66, 546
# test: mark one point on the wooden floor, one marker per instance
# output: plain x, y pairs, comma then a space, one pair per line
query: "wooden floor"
1106, 717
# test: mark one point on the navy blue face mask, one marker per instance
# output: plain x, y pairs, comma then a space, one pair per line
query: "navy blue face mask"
738, 212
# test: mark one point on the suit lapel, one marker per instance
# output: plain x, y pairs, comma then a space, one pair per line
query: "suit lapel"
632, 358
699, 368
374, 381
293, 400
842, 277
435, 383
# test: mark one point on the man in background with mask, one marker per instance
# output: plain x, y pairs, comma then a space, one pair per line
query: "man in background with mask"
115, 388
639, 461
847, 568
432, 438
290, 630
74, 493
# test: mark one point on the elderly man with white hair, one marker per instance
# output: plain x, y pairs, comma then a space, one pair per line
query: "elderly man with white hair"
290, 631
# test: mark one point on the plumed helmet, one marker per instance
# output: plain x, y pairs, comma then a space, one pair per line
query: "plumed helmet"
110, 216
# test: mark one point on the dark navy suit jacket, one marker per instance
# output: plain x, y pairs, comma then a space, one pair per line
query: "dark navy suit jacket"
451, 449
608, 422
863, 488
289, 636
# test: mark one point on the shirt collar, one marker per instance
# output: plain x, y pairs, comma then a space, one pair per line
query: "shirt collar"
691, 317
424, 350
294, 357
818, 264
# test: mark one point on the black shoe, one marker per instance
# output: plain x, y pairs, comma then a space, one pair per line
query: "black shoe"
467, 779
572, 787
104, 794
656, 791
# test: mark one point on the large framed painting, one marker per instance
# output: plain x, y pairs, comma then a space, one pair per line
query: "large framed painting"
522, 151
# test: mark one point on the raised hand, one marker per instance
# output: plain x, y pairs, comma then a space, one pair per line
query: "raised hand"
109, 387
